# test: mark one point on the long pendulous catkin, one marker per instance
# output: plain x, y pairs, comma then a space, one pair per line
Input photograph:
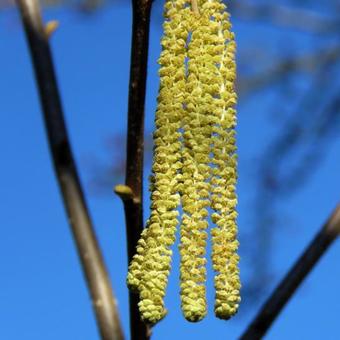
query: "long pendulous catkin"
194, 164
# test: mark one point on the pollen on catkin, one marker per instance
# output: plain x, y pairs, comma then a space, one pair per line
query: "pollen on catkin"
224, 173
194, 164
195, 172
149, 269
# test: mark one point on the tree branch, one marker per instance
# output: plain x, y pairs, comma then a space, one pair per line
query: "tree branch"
281, 295
133, 191
97, 279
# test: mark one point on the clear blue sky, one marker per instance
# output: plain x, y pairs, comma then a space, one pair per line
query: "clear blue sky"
42, 291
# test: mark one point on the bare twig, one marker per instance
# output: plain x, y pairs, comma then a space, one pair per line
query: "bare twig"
97, 279
317, 132
275, 73
281, 295
281, 15
51, 27
133, 201
311, 125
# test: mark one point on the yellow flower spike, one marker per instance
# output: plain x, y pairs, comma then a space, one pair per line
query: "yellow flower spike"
195, 162
149, 269
196, 169
135, 268
223, 198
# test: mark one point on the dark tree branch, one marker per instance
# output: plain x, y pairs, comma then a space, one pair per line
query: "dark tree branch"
281, 295
133, 197
97, 279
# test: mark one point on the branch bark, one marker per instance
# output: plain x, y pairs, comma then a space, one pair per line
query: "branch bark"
97, 278
133, 203
281, 295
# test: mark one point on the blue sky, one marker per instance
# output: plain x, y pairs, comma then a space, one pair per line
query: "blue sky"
42, 291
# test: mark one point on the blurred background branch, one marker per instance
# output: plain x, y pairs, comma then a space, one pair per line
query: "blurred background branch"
97, 279
285, 16
306, 63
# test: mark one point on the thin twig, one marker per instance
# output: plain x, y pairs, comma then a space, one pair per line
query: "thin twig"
276, 72
97, 279
282, 15
133, 203
281, 295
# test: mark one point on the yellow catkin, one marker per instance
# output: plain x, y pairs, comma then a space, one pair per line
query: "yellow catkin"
195, 171
223, 199
149, 270
194, 155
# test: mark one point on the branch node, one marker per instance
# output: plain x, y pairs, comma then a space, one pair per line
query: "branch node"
51, 27
124, 192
